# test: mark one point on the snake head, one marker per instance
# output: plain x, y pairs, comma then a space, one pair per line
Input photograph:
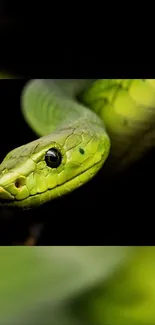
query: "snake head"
51, 166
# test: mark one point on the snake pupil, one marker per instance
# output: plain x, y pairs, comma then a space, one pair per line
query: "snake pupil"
53, 158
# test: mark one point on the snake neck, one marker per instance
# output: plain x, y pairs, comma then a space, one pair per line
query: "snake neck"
51, 105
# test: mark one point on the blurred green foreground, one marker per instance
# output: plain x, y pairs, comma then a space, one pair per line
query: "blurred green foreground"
77, 285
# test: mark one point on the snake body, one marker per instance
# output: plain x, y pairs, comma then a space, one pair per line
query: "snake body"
80, 124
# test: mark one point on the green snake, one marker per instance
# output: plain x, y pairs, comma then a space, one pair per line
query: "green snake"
82, 126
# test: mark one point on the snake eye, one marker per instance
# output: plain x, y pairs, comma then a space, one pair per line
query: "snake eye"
53, 158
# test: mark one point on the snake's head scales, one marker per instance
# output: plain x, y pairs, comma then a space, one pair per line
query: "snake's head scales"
52, 166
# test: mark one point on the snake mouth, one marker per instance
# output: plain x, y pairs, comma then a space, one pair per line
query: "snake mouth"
50, 194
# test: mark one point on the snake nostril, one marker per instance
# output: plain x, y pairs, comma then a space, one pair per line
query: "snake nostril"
19, 182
